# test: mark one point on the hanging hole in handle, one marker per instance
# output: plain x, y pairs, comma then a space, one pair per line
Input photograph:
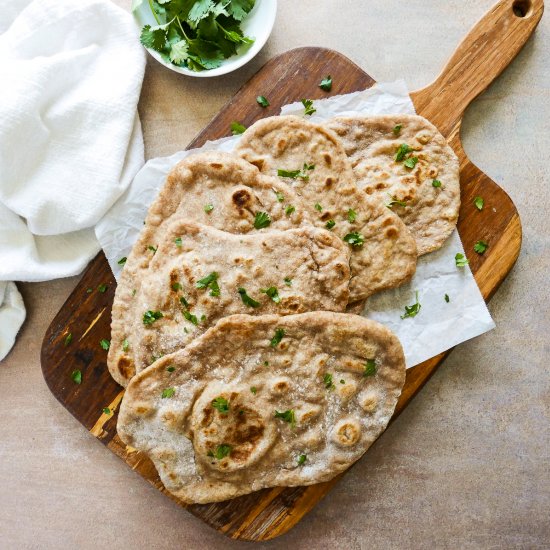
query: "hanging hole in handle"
522, 8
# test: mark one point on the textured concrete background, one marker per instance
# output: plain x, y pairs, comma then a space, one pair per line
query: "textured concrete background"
466, 466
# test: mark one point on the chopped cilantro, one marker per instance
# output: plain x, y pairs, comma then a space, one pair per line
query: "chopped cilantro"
125, 345
262, 101
237, 128
262, 220
352, 215
253, 389
461, 260
394, 201
479, 203
208, 208
89, 290
178, 242
402, 150
308, 107
279, 195
327, 381
149, 317
410, 162
326, 84
76, 376
301, 460
176, 286
397, 129
330, 224
68, 339
152, 248
447, 299
480, 247
106, 410
211, 281
273, 293
221, 451
289, 210
288, 281
221, 404
184, 302
122, 260
168, 392
105, 344
342, 381
170, 368
247, 300
279, 335
412, 311
436, 183
102, 288
370, 368
354, 239
318, 207
287, 416
295, 174
190, 317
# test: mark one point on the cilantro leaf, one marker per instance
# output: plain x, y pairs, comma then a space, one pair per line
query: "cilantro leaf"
318, 207
447, 299
288, 281
262, 101
397, 129
105, 344
461, 260
176, 286
221, 404
290, 210
273, 293
237, 128
179, 52
278, 336
480, 247
200, 10
153, 37
211, 281
370, 368
122, 261
330, 224
436, 183
106, 410
167, 392
178, 241
326, 84
238, 9
412, 311
253, 389
294, 174
302, 459
76, 376
308, 107
402, 150
247, 300
170, 368
125, 345
190, 317
152, 248
149, 317
68, 339
410, 162
352, 215
479, 203
208, 208
327, 381
287, 416
393, 201
279, 195
262, 220
102, 288
354, 239
221, 452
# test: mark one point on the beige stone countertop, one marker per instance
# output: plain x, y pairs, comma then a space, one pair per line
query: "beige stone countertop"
466, 465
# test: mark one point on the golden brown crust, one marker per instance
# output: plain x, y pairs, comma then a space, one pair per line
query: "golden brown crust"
206, 454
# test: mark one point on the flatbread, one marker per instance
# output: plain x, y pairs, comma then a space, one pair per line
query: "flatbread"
431, 213
307, 267
387, 258
341, 375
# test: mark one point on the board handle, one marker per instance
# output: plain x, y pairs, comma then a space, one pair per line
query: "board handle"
485, 52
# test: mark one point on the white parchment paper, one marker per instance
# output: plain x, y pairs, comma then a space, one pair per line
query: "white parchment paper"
438, 326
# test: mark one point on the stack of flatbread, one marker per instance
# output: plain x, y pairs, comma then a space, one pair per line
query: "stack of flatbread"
229, 327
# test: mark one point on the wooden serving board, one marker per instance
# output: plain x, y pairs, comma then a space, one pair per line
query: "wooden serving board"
481, 57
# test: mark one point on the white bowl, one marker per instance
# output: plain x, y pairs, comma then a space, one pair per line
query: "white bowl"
258, 25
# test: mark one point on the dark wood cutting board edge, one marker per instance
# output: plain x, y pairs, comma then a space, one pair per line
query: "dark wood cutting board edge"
290, 77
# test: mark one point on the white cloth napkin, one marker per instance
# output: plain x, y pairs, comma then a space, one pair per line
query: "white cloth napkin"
12, 315
70, 138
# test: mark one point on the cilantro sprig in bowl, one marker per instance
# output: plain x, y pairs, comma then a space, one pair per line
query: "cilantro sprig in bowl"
204, 37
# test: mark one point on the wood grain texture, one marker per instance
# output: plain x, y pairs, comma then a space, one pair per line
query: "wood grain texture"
289, 77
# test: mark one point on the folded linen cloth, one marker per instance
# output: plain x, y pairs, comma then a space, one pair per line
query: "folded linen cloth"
70, 137
12, 315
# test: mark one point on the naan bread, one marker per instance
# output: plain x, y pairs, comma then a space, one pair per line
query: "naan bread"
387, 258
306, 269
371, 143
206, 415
